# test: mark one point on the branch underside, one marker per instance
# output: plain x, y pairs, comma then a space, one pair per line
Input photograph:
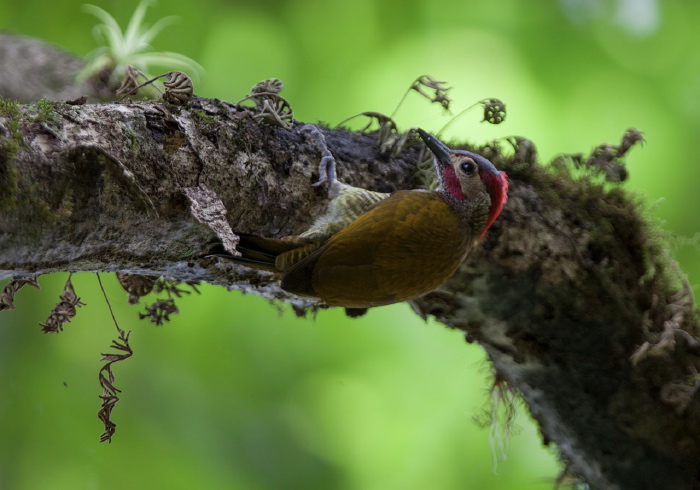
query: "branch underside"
569, 293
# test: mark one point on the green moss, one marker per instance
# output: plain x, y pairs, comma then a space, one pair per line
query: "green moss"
616, 223
173, 142
132, 139
9, 148
9, 108
10, 145
43, 211
46, 111
8, 174
204, 120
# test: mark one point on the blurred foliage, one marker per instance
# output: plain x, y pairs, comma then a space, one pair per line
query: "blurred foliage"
232, 394
131, 45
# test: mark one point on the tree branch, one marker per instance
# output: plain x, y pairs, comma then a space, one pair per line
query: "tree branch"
571, 295
33, 69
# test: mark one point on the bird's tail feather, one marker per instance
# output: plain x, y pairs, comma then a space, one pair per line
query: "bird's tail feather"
269, 254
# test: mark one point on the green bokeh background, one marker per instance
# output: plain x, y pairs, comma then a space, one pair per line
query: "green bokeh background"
237, 394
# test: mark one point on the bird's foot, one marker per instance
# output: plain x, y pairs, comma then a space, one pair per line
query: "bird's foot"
326, 168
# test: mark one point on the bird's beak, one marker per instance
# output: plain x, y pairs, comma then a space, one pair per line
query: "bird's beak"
439, 149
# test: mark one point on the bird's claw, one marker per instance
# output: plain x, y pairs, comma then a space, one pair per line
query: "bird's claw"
326, 168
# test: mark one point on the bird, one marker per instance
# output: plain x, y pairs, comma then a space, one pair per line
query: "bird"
374, 249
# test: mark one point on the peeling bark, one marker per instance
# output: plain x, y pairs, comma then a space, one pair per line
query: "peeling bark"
570, 293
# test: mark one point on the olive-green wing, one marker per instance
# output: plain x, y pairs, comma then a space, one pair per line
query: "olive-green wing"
404, 247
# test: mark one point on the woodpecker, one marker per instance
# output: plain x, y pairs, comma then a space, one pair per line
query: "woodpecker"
374, 249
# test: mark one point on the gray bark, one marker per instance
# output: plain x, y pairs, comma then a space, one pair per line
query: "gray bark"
570, 293
32, 69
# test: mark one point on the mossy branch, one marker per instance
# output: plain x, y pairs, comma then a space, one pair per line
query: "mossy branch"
571, 293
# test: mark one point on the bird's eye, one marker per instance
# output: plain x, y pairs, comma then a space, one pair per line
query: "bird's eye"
468, 167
